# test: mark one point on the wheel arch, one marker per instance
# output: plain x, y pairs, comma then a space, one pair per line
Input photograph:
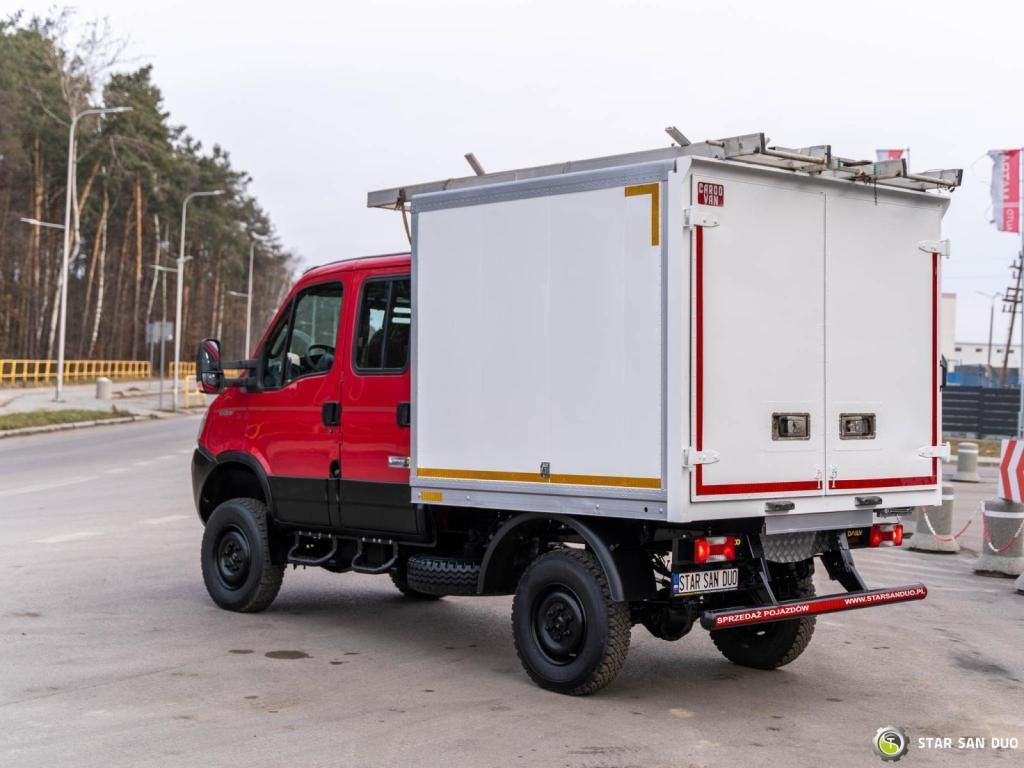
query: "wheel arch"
498, 574
234, 474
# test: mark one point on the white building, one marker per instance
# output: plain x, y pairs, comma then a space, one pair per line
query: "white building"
959, 353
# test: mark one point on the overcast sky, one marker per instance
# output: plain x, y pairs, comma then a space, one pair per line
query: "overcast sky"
322, 102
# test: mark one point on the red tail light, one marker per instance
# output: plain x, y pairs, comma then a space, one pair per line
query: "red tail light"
885, 533
701, 550
714, 549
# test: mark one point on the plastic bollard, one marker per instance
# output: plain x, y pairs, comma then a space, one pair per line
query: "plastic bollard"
966, 464
941, 519
1002, 542
104, 388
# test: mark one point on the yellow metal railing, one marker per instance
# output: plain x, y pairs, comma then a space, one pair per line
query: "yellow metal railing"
188, 369
45, 371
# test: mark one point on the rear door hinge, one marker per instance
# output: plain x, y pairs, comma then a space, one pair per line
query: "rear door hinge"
698, 216
692, 457
935, 452
940, 247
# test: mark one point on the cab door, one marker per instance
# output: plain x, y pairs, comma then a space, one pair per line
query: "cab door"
375, 494
292, 423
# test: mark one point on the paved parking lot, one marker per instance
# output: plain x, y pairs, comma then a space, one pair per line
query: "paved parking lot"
112, 654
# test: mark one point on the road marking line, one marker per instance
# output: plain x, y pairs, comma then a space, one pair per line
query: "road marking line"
116, 470
162, 520
43, 486
145, 463
68, 537
184, 450
166, 456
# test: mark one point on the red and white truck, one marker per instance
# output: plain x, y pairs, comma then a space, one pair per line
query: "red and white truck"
648, 389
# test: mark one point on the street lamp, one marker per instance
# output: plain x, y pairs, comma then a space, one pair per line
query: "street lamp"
991, 321
181, 270
248, 301
67, 236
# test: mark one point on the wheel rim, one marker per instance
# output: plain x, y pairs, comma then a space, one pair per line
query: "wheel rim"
559, 624
234, 558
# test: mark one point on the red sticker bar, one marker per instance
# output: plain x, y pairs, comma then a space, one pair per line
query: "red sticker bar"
710, 194
795, 609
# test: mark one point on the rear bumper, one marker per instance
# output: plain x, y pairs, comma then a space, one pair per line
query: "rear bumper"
795, 609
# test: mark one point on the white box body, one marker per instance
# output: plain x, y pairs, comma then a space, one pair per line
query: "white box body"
579, 336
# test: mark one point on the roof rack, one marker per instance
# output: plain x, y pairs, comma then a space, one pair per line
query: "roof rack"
750, 148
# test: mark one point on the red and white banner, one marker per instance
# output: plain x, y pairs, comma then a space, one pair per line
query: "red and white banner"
889, 154
1011, 471
1006, 189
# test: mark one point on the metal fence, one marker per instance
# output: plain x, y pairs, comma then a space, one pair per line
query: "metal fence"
980, 411
45, 371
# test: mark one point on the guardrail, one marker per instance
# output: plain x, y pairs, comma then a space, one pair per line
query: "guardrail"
45, 371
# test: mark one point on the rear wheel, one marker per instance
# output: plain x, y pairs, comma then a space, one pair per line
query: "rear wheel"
237, 568
769, 646
570, 635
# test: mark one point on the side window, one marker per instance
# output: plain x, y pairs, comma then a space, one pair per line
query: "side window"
385, 319
304, 344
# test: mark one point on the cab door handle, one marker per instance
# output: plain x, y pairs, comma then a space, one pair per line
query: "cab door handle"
330, 413
402, 415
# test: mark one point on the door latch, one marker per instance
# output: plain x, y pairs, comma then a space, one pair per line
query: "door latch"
398, 462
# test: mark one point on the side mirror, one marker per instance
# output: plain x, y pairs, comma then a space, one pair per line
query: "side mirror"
209, 373
944, 365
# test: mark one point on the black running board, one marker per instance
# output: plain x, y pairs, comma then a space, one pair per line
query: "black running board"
795, 609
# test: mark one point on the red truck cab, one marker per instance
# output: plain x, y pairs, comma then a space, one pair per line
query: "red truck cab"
331, 404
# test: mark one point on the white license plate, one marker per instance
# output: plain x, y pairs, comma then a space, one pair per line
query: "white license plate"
721, 580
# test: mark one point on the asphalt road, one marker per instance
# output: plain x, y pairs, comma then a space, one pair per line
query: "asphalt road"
111, 654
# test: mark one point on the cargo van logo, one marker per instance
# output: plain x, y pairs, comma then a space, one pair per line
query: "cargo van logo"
710, 194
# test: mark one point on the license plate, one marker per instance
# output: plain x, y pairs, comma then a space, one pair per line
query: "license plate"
721, 580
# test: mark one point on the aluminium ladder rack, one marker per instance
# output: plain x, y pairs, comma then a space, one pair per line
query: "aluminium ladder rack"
750, 148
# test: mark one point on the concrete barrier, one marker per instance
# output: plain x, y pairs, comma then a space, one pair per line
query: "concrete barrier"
967, 464
935, 527
1002, 545
104, 388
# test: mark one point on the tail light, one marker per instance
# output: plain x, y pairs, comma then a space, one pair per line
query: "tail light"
714, 549
890, 534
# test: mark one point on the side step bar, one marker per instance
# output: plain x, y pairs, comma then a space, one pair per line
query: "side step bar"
795, 609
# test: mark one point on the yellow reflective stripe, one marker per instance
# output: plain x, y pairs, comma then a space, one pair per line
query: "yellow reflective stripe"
654, 190
534, 477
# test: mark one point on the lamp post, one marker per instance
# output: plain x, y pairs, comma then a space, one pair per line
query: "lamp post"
180, 289
67, 237
991, 320
248, 302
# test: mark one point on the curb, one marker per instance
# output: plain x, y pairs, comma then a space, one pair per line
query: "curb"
66, 426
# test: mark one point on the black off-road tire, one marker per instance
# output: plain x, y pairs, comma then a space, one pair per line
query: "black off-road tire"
438, 576
237, 567
400, 578
571, 637
768, 646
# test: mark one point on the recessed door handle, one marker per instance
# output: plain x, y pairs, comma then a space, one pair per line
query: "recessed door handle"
330, 414
398, 462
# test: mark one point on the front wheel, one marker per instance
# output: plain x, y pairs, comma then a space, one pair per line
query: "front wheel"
768, 646
570, 635
237, 567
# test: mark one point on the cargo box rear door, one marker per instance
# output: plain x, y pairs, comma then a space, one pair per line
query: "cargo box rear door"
881, 340
758, 323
